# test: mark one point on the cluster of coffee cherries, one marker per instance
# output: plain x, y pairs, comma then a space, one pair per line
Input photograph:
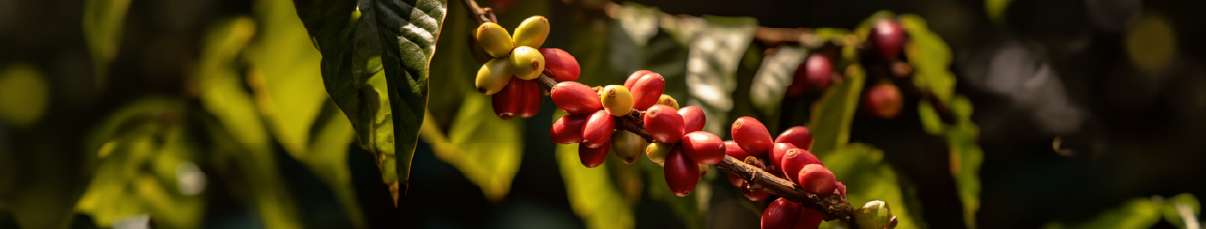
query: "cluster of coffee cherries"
884, 45
516, 61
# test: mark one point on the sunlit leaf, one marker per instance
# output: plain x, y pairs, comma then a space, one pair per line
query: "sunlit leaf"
484, 147
1182, 210
930, 57
777, 72
966, 158
830, 123
102, 30
592, 195
1136, 213
716, 46
868, 177
996, 10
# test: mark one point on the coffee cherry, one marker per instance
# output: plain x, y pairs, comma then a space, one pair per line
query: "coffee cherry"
531, 98
646, 89
778, 151
526, 62
493, 76
507, 102
627, 146
598, 129
693, 118
668, 101
532, 32
657, 152
703, 170
816, 179
568, 129
494, 39
561, 65
476, 50
809, 219
796, 90
703, 147
874, 215
780, 214
756, 194
681, 173
796, 135
733, 150
633, 78
887, 38
841, 189
794, 161
883, 100
736, 180
575, 98
664, 124
616, 100
593, 157
817, 71
752, 136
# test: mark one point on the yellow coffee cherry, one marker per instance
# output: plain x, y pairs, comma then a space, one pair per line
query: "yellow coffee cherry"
668, 101
657, 152
616, 100
494, 39
532, 32
493, 76
527, 62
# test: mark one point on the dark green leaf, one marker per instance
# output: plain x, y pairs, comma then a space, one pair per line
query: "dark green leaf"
830, 123
102, 30
868, 177
1136, 213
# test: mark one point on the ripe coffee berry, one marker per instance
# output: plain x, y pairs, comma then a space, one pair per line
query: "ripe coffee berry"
575, 98
755, 194
598, 129
887, 38
817, 71
703, 147
840, 189
561, 65
568, 129
780, 214
616, 100
633, 78
507, 102
627, 146
693, 118
531, 98
752, 136
681, 173
777, 153
657, 152
668, 101
593, 157
796, 135
794, 161
883, 100
809, 219
733, 150
646, 89
816, 179
664, 124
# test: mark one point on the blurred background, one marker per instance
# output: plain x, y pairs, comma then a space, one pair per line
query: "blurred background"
212, 114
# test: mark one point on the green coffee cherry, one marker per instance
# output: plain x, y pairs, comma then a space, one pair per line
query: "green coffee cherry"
657, 152
627, 146
493, 76
494, 39
527, 62
874, 215
532, 32
616, 100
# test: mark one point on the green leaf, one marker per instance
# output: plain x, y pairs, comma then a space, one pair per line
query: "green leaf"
403, 34
102, 30
868, 177
485, 148
717, 45
1136, 213
930, 57
1182, 210
830, 123
592, 195
966, 158
777, 72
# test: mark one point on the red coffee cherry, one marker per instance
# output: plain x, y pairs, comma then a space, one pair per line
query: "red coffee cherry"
841, 189
575, 98
561, 65
693, 118
816, 179
681, 173
646, 89
756, 195
809, 219
780, 214
776, 155
633, 78
664, 124
531, 98
733, 150
593, 157
568, 129
507, 102
703, 147
887, 38
736, 180
883, 100
752, 136
796, 135
598, 129
816, 71
794, 161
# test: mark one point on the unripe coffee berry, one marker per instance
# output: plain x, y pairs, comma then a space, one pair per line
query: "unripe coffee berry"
561, 65
796, 135
627, 146
873, 215
816, 179
507, 102
616, 100
598, 129
530, 99
887, 38
693, 118
593, 157
777, 153
668, 101
646, 89
568, 129
794, 161
703, 170
532, 32
752, 136
657, 152
780, 214
575, 98
883, 100
703, 147
494, 39
493, 76
526, 62
681, 173
664, 124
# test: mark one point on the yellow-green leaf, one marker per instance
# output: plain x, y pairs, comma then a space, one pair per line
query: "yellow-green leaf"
1136, 213
868, 177
830, 123
102, 29
484, 147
